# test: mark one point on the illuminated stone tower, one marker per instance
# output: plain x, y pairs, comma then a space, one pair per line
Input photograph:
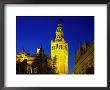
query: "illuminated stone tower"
59, 51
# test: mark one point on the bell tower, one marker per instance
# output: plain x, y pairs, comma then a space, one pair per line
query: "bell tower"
59, 50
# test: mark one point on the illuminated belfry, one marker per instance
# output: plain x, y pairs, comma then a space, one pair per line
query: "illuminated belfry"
59, 51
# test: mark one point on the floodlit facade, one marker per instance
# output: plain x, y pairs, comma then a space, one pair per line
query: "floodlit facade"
59, 51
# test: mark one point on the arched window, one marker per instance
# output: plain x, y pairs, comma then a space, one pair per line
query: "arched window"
58, 36
61, 46
57, 45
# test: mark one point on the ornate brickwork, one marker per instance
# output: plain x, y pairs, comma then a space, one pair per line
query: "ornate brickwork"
84, 59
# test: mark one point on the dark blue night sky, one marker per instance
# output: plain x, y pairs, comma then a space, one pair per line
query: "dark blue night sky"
34, 31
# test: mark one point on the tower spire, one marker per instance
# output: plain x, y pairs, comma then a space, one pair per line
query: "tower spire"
59, 23
59, 32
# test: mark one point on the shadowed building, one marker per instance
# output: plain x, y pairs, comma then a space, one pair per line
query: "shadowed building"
41, 64
84, 59
59, 52
21, 67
